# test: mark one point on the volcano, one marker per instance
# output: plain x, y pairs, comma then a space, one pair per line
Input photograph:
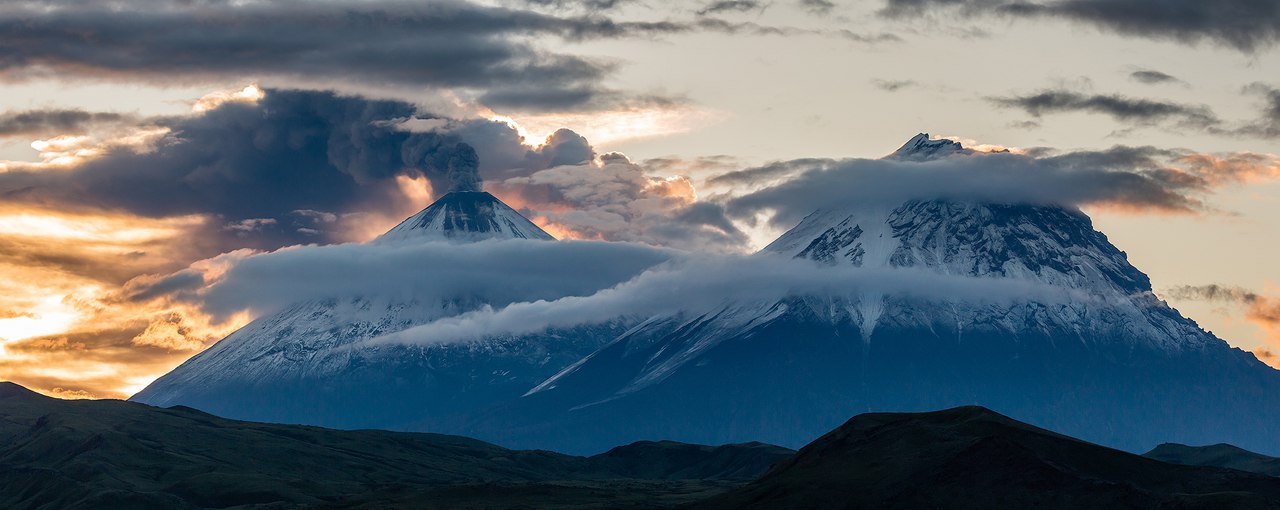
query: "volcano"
306, 363
1114, 365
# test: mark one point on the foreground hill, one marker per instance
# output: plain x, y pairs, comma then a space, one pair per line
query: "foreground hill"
57, 454
112, 454
971, 457
1218, 455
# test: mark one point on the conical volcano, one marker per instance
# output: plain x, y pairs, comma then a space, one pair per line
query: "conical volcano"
465, 216
1091, 351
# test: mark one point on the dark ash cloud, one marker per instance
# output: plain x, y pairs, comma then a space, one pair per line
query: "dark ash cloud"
1245, 25
251, 167
1125, 109
1151, 77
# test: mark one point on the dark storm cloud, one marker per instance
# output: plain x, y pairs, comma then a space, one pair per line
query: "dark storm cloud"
1124, 109
60, 121
450, 44
724, 6
1151, 77
436, 44
1246, 25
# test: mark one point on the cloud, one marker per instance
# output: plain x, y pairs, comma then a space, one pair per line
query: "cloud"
1130, 178
454, 44
1151, 77
495, 272
770, 173
893, 85
817, 7
496, 56
1268, 122
1125, 109
244, 162
698, 284
1260, 309
57, 121
1245, 25
724, 6
362, 163
615, 199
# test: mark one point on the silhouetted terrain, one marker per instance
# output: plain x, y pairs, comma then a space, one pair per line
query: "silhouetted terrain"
113, 454
1218, 455
105, 454
971, 457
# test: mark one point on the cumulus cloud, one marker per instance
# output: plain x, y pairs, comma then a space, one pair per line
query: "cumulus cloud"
700, 284
617, 200
1246, 25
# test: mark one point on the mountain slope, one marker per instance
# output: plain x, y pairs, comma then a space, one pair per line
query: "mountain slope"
974, 458
1218, 455
1085, 348
112, 454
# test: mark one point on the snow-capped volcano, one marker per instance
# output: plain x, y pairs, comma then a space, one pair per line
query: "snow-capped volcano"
299, 365
465, 216
923, 148
1113, 364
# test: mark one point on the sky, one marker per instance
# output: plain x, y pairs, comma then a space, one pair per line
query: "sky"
149, 147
